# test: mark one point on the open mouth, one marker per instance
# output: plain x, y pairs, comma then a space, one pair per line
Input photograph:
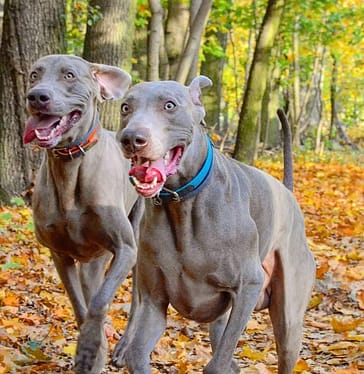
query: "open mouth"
46, 129
148, 176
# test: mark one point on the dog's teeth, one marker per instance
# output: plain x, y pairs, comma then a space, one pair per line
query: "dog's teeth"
135, 181
155, 181
166, 158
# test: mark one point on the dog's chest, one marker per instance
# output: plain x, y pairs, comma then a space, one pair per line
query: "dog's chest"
75, 233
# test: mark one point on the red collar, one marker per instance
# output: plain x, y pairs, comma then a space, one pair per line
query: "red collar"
78, 147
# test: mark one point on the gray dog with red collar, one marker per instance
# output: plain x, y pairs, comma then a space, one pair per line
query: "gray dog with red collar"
218, 238
84, 208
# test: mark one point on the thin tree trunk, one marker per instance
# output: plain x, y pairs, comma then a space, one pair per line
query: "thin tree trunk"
333, 88
213, 67
270, 125
194, 40
195, 6
176, 33
109, 41
296, 85
253, 36
30, 30
154, 42
248, 130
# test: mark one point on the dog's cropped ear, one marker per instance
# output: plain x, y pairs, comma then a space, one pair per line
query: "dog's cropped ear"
195, 88
113, 82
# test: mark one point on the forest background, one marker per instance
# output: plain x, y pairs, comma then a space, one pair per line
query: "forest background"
303, 56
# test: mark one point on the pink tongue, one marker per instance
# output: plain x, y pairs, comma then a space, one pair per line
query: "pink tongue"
42, 123
146, 174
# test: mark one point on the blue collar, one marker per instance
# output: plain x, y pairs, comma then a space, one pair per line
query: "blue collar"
192, 187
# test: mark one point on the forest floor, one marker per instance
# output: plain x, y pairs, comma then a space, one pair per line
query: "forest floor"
38, 332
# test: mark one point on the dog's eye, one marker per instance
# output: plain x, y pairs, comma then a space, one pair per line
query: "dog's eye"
124, 108
169, 105
69, 75
33, 75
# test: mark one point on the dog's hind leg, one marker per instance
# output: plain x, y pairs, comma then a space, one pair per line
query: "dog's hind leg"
291, 289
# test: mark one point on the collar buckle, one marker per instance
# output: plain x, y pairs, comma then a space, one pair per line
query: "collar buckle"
175, 197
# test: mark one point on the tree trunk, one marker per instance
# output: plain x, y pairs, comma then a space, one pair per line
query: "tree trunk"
248, 130
193, 42
333, 88
176, 33
1, 16
311, 103
213, 67
109, 41
155, 39
31, 29
296, 86
270, 134
194, 7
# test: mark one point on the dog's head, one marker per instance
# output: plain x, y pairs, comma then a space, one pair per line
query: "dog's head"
63, 91
158, 123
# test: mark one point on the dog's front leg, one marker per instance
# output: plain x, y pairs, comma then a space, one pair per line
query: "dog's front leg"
92, 344
69, 275
244, 299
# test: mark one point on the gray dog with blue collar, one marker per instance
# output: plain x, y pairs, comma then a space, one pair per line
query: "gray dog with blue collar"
218, 239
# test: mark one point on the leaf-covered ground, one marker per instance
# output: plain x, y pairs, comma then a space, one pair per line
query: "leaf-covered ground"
38, 333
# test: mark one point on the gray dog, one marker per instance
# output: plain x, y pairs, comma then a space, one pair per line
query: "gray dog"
218, 238
81, 201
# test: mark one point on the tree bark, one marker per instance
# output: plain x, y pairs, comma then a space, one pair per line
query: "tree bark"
154, 42
176, 32
193, 42
109, 41
213, 67
248, 130
30, 30
270, 134
333, 101
296, 85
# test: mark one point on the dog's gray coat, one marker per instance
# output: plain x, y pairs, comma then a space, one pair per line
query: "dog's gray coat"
81, 206
238, 245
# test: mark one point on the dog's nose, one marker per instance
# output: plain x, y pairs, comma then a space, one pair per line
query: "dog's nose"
39, 98
134, 140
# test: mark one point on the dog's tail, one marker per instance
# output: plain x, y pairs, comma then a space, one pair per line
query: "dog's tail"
287, 150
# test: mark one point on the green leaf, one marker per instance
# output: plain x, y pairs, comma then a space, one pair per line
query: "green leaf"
17, 201
6, 216
10, 265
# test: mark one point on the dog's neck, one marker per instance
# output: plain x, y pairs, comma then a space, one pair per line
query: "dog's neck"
193, 173
80, 146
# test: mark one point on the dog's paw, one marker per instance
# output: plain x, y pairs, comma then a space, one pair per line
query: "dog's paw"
91, 349
118, 356
211, 368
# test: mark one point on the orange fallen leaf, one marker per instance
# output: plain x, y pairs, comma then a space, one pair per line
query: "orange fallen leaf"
345, 324
301, 366
360, 298
11, 300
